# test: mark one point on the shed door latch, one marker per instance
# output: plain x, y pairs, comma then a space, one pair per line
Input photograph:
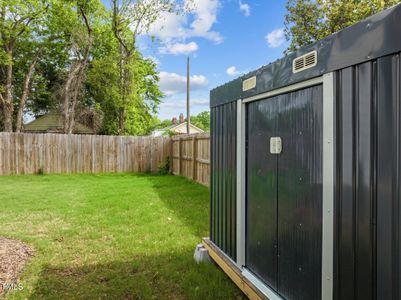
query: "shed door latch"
275, 145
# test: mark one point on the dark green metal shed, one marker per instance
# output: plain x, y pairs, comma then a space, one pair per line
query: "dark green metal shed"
306, 168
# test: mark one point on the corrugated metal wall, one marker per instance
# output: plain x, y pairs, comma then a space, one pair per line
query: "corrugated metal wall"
284, 193
368, 193
300, 194
223, 208
261, 190
367, 229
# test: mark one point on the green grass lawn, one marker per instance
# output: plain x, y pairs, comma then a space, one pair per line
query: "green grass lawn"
111, 237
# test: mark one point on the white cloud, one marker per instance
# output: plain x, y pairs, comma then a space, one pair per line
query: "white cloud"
174, 103
172, 83
169, 26
200, 102
245, 8
205, 15
232, 71
179, 48
276, 38
172, 28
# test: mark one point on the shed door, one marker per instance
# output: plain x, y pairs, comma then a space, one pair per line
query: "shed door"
284, 193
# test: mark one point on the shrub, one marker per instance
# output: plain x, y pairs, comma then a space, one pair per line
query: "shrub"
41, 170
164, 168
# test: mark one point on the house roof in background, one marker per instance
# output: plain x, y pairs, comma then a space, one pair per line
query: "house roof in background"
173, 126
53, 122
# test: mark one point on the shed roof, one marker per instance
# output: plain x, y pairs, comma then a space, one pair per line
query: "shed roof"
367, 40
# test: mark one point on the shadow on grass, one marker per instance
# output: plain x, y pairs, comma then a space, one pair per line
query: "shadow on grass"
188, 200
174, 276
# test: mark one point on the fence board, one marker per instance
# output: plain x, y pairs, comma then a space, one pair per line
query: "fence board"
191, 157
23, 153
58, 153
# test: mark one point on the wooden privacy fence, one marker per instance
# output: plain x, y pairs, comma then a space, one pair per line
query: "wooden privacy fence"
22, 153
191, 157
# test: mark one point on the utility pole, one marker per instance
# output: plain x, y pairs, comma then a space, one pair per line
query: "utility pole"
188, 104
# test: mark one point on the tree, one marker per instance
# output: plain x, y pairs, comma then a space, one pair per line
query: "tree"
145, 97
130, 19
48, 79
26, 85
30, 56
202, 120
140, 104
81, 39
141, 97
163, 124
20, 22
69, 57
308, 21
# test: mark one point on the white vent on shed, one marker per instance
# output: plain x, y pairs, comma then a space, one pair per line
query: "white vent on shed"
304, 62
249, 84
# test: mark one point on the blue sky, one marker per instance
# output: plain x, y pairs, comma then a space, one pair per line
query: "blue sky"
223, 38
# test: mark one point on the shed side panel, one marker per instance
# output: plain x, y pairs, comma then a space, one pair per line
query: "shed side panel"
223, 178
367, 226
388, 178
346, 189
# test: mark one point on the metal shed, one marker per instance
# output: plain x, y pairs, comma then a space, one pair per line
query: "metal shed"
305, 181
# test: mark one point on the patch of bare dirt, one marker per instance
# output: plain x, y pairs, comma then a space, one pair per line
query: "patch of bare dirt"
13, 257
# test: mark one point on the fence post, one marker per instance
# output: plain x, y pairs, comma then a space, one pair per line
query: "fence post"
194, 156
170, 152
179, 155
59, 153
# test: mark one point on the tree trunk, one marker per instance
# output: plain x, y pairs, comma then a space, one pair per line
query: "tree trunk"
8, 107
121, 109
24, 96
75, 94
67, 96
121, 121
8, 120
76, 76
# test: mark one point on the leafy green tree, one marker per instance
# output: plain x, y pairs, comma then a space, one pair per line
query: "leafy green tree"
51, 45
202, 120
131, 18
145, 97
21, 23
71, 56
142, 101
163, 124
33, 57
81, 32
102, 84
308, 21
